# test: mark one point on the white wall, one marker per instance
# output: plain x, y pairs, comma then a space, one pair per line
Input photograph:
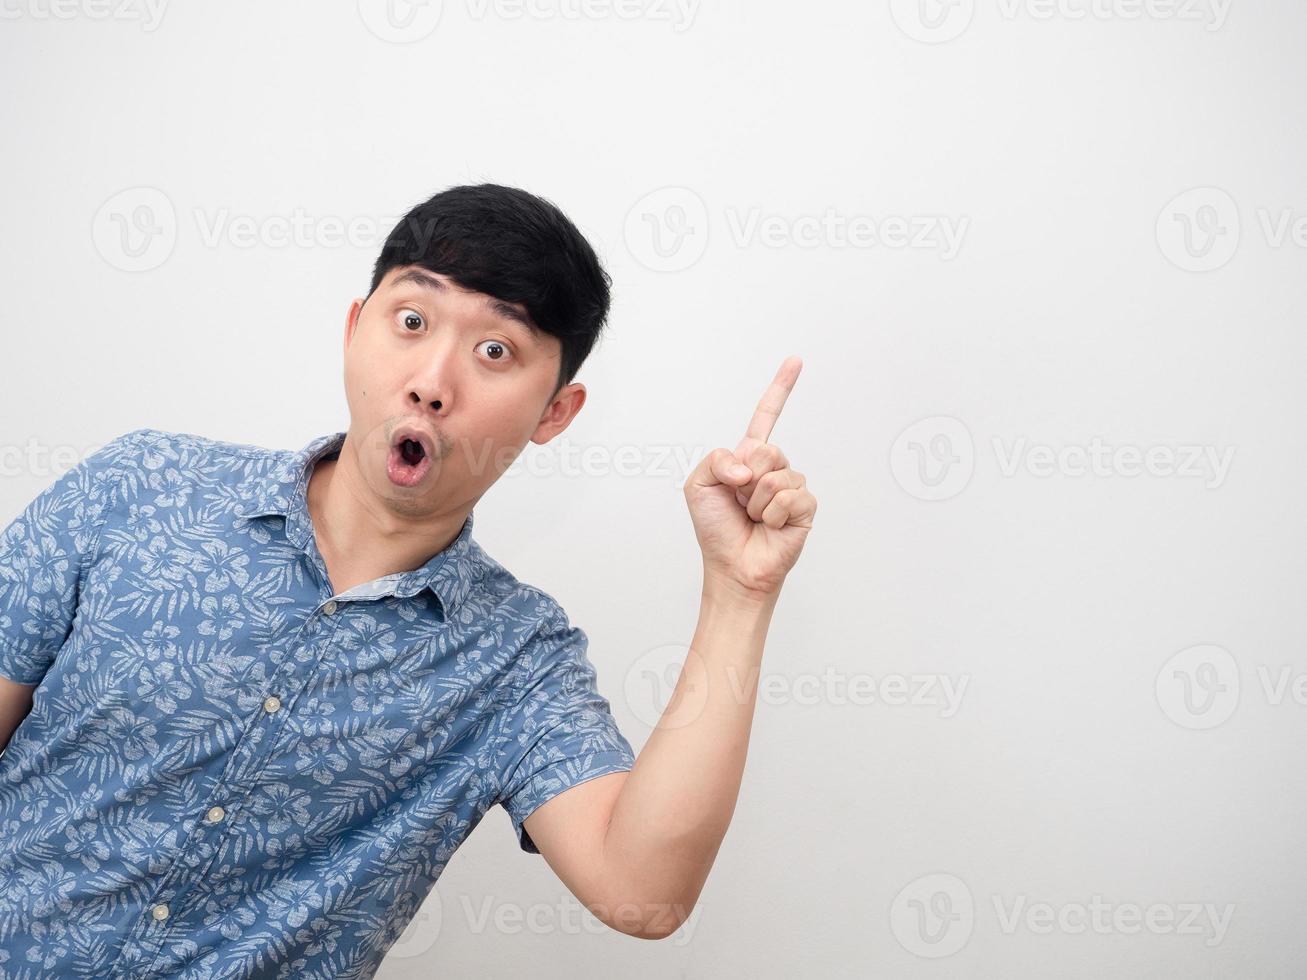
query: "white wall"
1067, 311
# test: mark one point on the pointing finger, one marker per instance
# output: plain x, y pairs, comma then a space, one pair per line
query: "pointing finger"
773, 399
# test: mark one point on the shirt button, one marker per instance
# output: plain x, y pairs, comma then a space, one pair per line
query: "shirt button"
329, 608
160, 912
215, 814
271, 704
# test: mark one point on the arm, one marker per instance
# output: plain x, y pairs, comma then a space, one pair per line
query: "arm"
637, 847
42, 552
15, 703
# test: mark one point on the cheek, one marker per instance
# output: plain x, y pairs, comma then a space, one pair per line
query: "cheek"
501, 432
514, 425
356, 378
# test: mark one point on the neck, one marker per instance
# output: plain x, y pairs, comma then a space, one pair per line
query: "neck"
360, 537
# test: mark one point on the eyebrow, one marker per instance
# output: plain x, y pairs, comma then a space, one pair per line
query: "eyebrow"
497, 306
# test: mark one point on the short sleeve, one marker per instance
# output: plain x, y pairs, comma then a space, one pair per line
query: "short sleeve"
42, 556
565, 732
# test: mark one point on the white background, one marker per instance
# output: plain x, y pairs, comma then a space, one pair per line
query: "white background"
721, 156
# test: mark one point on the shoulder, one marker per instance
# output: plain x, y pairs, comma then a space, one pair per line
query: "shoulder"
100, 470
185, 457
510, 596
149, 460
189, 445
552, 647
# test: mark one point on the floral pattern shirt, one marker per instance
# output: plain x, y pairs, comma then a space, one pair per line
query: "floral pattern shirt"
228, 771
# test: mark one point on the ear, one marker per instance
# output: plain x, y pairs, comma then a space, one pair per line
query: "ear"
352, 320
559, 413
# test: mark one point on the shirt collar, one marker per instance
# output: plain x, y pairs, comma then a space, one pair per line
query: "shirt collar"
283, 491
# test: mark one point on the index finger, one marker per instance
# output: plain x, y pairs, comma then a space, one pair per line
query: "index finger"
773, 399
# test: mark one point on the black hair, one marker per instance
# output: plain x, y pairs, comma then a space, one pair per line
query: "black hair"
516, 247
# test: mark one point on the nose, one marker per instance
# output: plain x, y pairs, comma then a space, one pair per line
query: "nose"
417, 399
431, 384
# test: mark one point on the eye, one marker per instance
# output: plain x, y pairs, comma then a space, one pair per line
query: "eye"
411, 319
497, 351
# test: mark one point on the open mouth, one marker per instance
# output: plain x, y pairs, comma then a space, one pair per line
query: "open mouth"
409, 460
412, 452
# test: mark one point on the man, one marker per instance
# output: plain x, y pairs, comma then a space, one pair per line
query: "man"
254, 700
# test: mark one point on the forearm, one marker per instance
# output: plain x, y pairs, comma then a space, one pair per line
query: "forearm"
15, 703
673, 811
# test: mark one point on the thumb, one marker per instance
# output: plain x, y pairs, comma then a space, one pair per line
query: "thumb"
720, 466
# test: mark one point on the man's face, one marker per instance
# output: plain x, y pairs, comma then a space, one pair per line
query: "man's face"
457, 371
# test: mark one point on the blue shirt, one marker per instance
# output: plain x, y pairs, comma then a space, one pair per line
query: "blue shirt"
227, 770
